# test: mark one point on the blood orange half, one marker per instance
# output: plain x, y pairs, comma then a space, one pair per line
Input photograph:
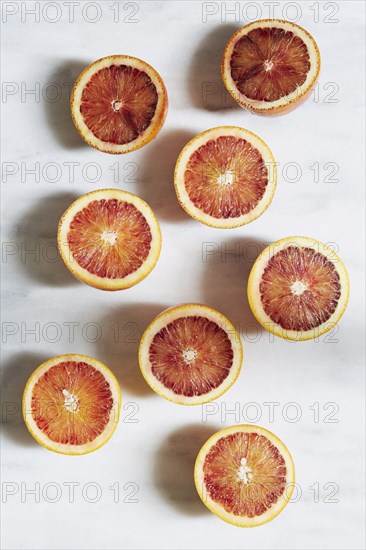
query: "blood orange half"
109, 239
71, 404
245, 475
225, 177
190, 354
270, 65
118, 104
298, 288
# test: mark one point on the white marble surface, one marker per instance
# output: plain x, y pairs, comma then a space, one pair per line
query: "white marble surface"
155, 453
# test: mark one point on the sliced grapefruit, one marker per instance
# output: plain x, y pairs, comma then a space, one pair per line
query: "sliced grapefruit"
298, 288
225, 177
245, 475
109, 239
190, 354
118, 104
71, 404
269, 66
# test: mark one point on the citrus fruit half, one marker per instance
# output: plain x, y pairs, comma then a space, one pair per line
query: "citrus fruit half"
298, 288
118, 104
190, 354
245, 475
225, 177
109, 239
71, 404
270, 65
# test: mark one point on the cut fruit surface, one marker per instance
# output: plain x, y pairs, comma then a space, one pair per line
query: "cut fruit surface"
270, 65
109, 239
225, 177
71, 404
190, 354
118, 104
298, 288
245, 475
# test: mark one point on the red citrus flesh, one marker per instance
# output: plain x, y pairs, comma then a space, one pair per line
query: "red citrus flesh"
109, 238
245, 474
118, 103
300, 288
72, 403
226, 177
269, 63
191, 356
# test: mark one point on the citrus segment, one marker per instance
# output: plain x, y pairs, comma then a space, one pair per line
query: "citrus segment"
245, 475
298, 288
209, 350
225, 177
269, 65
109, 239
117, 258
118, 104
190, 354
71, 404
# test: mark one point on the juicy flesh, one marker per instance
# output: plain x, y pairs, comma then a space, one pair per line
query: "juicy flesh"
299, 288
269, 63
109, 238
226, 177
191, 356
118, 103
245, 474
72, 403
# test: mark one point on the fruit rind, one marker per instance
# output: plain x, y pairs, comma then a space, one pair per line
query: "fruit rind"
254, 295
160, 322
290, 101
60, 448
201, 139
94, 280
156, 123
217, 509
